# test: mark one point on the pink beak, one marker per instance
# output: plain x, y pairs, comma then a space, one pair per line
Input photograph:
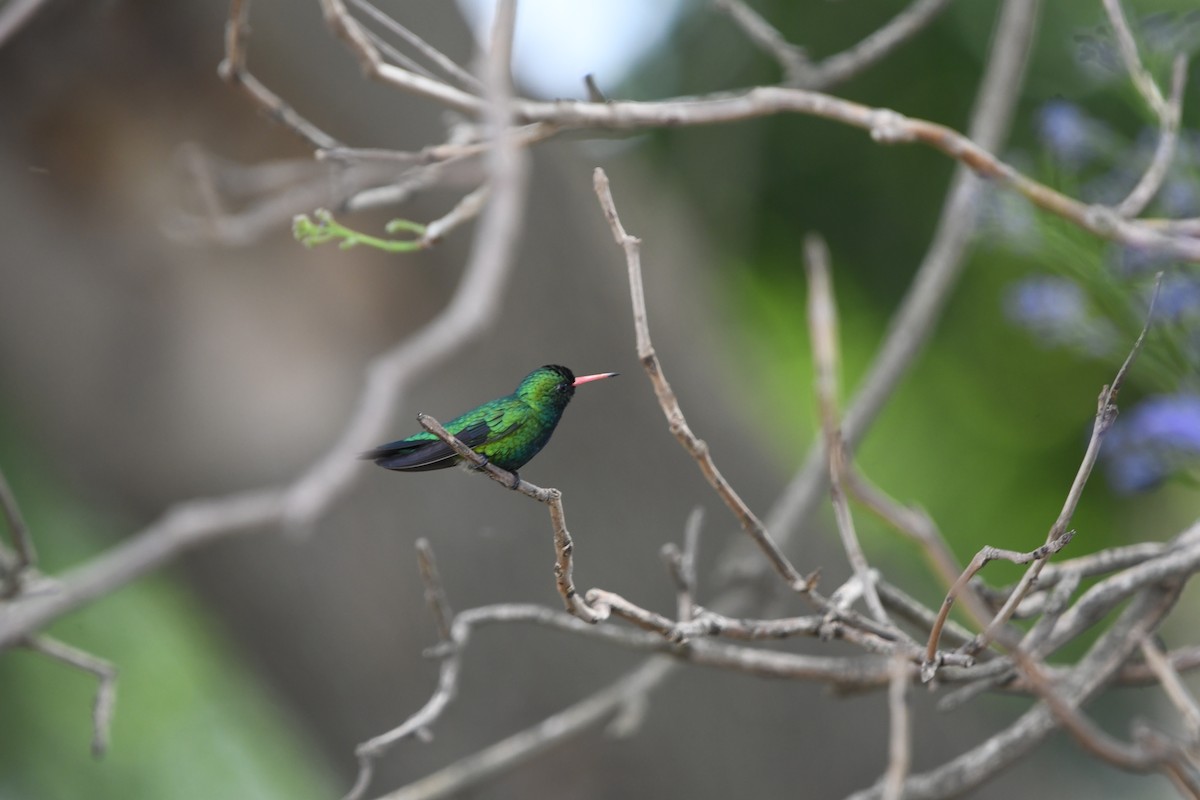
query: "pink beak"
597, 377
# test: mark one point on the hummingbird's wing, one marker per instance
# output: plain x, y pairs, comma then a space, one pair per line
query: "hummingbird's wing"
424, 451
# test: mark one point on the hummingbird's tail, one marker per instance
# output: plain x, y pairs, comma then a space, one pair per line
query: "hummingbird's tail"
424, 451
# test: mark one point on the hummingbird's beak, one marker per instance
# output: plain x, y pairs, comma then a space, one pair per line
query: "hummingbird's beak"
590, 378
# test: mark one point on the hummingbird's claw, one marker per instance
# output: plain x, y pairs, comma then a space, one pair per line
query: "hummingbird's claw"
516, 480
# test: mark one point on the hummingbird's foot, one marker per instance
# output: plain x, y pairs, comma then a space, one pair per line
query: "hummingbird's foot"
516, 481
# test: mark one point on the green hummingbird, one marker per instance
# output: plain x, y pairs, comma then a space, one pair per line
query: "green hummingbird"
507, 431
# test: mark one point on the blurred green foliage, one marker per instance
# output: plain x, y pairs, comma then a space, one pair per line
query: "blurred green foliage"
191, 720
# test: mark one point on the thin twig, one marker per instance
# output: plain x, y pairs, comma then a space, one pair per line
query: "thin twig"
1132, 757
681, 564
434, 162
1102, 660
1106, 415
1055, 605
792, 58
1127, 47
922, 617
981, 559
823, 332
464, 211
1179, 560
913, 522
396, 57
437, 57
369, 751
678, 425
900, 731
564, 546
1113, 559
874, 48
550, 732
1185, 659
435, 591
233, 71
22, 541
106, 690
183, 527
1173, 685
1164, 152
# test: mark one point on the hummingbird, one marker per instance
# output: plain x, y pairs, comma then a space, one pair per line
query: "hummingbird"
507, 431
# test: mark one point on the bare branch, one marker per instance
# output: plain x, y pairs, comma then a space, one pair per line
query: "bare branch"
823, 332
696, 447
183, 527
1106, 415
1127, 47
900, 735
1092, 673
1113, 559
26, 554
106, 690
912, 522
1164, 153
464, 211
233, 71
907, 607
1185, 659
682, 565
792, 58
1173, 685
355, 36
884, 125
1180, 559
435, 592
437, 57
564, 547
981, 559
874, 48
521, 747
1142, 757
373, 748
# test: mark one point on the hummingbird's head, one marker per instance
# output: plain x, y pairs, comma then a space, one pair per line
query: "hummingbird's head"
553, 385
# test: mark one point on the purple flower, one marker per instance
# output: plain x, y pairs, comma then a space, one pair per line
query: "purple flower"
1178, 297
1160, 436
1045, 302
1070, 134
1180, 197
1139, 260
1056, 311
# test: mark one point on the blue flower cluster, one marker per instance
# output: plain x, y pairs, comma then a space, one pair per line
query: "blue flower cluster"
1157, 438
1095, 302
1056, 310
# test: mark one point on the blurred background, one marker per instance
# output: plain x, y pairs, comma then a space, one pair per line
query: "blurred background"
143, 363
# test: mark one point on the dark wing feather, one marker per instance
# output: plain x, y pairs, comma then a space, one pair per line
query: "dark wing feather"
422, 454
